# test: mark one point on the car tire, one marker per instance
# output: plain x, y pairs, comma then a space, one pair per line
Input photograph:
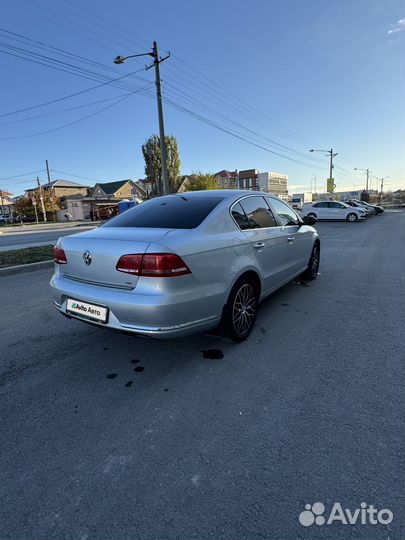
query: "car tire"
311, 272
352, 217
241, 309
311, 214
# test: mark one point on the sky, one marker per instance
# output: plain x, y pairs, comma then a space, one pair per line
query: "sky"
247, 85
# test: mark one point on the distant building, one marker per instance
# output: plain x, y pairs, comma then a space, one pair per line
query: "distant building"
248, 179
6, 202
62, 188
102, 201
342, 195
227, 179
273, 182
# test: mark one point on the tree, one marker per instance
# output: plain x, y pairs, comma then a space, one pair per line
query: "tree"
153, 162
25, 207
201, 181
365, 196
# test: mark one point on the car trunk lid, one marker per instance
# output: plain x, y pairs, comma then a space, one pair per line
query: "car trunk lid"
92, 256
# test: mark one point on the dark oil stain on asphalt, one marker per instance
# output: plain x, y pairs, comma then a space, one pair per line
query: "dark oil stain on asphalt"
135, 361
166, 389
111, 376
139, 369
105, 349
213, 354
285, 304
129, 383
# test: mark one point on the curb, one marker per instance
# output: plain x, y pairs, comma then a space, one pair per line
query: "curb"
11, 270
49, 229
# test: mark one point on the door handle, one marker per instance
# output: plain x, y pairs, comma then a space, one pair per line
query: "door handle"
291, 238
258, 245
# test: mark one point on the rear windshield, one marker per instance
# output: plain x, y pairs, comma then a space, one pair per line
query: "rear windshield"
172, 212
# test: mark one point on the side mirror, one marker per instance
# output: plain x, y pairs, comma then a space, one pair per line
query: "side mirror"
309, 220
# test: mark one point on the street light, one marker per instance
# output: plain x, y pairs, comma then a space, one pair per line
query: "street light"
368, 171
331, 156
156, 61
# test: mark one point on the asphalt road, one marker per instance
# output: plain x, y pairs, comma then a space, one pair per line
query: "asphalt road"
309, 409
36, 238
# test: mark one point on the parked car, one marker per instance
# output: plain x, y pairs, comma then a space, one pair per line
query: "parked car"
5, 218
378, 209
180, 264
357, 204
333, 210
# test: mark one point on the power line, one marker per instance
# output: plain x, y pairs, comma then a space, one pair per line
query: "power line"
22, 174
126, 96
81, 106
74, 175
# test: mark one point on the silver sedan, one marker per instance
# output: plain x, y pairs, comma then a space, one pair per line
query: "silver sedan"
184, 263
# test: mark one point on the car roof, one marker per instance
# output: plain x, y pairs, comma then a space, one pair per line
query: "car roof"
231, 194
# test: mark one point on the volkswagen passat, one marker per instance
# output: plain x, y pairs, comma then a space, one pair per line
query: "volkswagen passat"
184, 263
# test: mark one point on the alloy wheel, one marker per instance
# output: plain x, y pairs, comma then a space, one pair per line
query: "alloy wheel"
244, 309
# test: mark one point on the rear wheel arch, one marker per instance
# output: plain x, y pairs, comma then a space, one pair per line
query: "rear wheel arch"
229, 321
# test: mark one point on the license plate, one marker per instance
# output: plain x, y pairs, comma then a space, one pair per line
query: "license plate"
90, 311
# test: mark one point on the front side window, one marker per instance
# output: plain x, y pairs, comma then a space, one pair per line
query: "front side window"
286, 214
258, 212
170, 212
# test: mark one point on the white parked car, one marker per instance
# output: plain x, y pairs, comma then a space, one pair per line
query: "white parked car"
333, 210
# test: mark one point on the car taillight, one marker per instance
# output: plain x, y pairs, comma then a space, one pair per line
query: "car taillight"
153, 264
59, 255
131, 264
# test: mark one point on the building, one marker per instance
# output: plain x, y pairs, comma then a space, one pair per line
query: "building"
247, 179
145, 186
227, 179
342, 195
6, 202
102, 201
62, 188
273, 182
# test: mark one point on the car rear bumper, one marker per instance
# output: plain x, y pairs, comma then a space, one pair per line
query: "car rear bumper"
157, 314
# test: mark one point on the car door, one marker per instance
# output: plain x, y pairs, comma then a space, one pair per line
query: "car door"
298, 245
320, 209
256, 220
337, 210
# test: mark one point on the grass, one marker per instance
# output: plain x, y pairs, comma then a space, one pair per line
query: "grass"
25, 256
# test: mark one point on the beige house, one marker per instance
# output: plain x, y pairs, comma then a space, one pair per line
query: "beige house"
102, 201
63, 188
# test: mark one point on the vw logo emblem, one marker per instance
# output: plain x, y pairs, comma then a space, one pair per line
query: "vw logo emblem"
87, 257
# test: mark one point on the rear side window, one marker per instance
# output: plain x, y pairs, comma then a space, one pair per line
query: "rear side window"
172, 212
240, 217
258, 212
320, 205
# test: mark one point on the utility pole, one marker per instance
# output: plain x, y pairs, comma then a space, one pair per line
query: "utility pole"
42, 199
50, 190
156, 61
381, 192
367, 171
331, 156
